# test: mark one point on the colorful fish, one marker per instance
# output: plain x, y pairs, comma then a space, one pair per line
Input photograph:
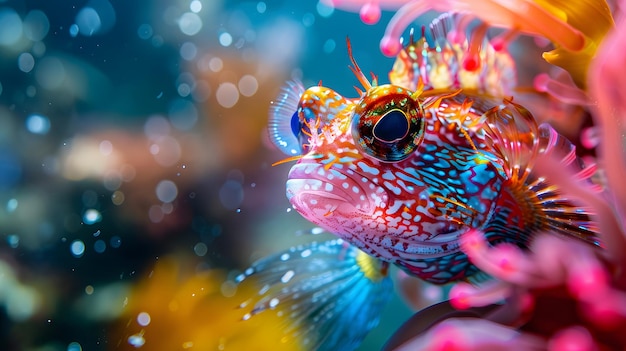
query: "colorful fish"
403, 170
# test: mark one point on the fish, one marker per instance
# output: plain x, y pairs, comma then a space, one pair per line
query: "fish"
401, 171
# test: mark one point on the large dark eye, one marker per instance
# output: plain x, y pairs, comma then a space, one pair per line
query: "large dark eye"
388, 123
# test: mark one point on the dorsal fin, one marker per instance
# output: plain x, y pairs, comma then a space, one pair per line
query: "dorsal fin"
458, 56
560, 213
513, 135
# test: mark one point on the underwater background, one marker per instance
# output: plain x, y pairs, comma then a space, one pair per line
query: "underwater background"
138, 182
133, 133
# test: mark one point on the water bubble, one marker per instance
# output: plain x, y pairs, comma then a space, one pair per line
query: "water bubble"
73, 30
137, 340
117, 198
190, 23
36, 25
166, 151
317, 231
74, 346
13, 241
157, 41
37, 124
216, 64
231, 194
99, 246
155, 213
115, 242
188, 51
38, 48
329, 46
308, 19
97, 17
77, 248
112, 180
228, 288
31, 91
186, 77
88, 21
248, 85
166, 191
50, 73
227, 95
261, 7
143, 318
91, 216
25, 62
11, 205
200, 249
156, 127
106, 147
195, 6
325, 10
225, 39
183, 90
183, 114
10, 27
167, 208
145, 31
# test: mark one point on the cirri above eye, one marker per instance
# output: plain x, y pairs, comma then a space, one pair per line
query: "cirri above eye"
388, 123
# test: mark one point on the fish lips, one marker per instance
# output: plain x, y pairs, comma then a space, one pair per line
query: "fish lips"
318, 192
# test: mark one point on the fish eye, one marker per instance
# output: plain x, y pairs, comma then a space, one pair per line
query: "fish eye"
285, 128
391, 127
388, 124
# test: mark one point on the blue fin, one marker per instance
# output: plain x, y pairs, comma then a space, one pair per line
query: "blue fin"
284, 128
330, 293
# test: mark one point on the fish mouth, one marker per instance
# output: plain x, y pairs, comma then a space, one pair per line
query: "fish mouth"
314, 190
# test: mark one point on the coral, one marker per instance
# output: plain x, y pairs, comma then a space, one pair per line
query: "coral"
565, 23
174, 310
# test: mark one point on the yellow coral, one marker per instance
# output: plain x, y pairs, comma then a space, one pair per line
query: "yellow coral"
171, 310
593, 19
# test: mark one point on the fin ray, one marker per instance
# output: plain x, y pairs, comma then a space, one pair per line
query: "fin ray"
513, 134
325, 291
